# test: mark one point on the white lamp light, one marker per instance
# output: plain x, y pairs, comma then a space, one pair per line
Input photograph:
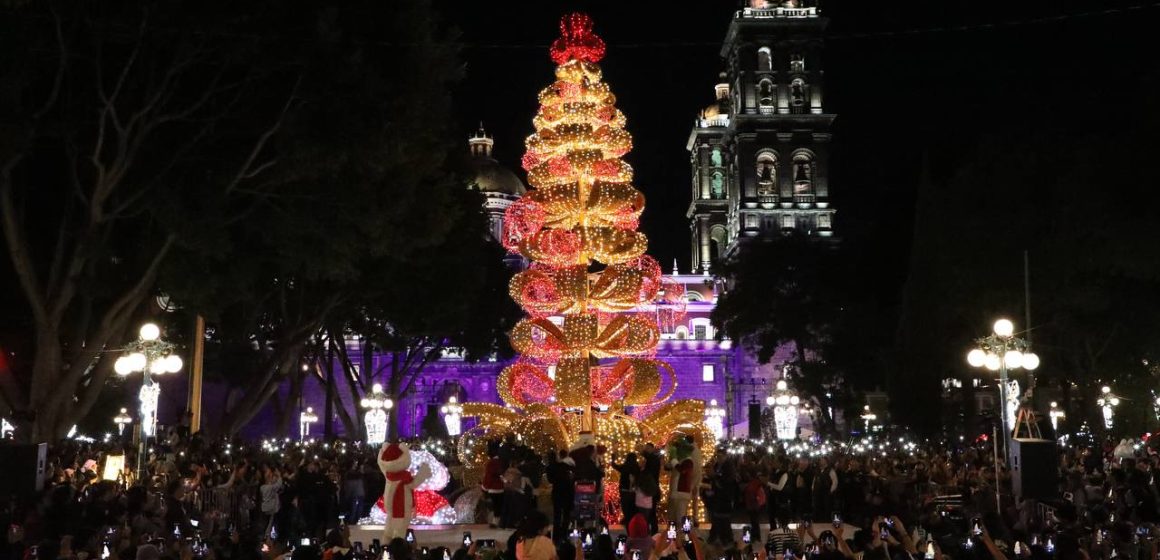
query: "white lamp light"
158, 366
1004, 327
1030, 361
1013, 359
123, 366
173, 363
976, 357
993, 362
137, 361
150, 331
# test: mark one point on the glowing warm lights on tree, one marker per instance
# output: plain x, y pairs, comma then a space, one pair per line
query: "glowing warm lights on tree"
596, 304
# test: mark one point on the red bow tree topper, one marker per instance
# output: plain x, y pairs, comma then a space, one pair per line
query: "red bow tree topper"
577, 41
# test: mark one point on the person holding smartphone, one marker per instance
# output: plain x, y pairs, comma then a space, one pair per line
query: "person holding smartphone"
639, 537
531, 537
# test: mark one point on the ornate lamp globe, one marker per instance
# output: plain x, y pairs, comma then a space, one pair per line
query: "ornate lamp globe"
993, 362
1004, 327
976, 357
1030, 361
1013, 359
149, 331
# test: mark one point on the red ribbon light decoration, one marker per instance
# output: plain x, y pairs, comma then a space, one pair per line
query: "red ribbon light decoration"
577, 41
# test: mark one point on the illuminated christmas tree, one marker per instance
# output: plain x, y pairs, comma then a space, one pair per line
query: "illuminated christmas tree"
593, 298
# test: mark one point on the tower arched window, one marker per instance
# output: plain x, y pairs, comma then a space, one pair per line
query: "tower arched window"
717, 185
803, 177
764, 60
797, 95
765, 96
797, 62
715, 157
767, 176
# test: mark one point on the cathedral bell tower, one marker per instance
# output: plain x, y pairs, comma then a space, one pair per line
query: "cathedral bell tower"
760, 152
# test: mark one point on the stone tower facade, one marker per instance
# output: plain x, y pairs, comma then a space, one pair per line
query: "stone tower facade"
760, 152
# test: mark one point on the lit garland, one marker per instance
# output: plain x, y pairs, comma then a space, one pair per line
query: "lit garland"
593, 298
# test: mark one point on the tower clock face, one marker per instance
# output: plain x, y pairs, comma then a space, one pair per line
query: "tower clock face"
166, 303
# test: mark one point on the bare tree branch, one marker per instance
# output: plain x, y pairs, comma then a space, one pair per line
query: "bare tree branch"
247, 169
58, 78
18, 248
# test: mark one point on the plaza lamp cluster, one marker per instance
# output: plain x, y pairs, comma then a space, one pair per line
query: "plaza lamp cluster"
1001, 351
453, 416
376, 403
785, 410
305, 419
715, 419
122, 419
151, 356
1108, 401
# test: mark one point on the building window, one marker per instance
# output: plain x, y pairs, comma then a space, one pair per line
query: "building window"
797, 62
715, 157
764, 60
765, 96
700, 332
708, 373
803, 176
750, 221
787, 221
766, 174
717, 186
797, 95
824, 221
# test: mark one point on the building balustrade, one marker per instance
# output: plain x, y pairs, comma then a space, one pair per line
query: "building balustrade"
803, 199
719, 120
778, 12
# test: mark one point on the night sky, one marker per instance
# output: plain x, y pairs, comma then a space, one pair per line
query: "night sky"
914, 85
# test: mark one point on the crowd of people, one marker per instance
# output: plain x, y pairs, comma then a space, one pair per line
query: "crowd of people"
236, 501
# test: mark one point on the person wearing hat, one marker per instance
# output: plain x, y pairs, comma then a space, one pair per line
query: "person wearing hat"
493, 487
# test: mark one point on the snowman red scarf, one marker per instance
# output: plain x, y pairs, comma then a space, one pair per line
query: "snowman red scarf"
399, 500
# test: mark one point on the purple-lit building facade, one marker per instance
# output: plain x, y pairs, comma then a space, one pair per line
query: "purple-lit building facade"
759, 161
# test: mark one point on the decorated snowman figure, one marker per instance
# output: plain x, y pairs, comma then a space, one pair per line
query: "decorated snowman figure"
398, 500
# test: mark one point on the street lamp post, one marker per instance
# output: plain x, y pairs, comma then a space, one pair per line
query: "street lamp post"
1056, 414
715, 419
305, 419
868, 416
1108, 402
151, 356
376, 403
785, 410
453, 416
1000, 351
122, 419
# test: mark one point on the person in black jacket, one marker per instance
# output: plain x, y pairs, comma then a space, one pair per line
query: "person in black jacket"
652, 461
561, 475
629, 471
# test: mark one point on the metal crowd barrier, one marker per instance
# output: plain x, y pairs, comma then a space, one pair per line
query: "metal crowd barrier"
223, 506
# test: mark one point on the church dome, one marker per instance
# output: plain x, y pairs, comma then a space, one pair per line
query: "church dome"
488, 175
721, 105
